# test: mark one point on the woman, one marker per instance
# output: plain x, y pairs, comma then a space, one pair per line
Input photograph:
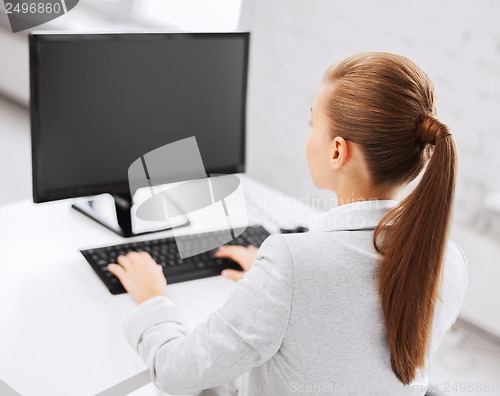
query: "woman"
358, 305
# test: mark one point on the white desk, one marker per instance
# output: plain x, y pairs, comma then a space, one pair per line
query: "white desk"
60, 328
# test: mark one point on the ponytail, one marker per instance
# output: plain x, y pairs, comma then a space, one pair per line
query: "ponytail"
412, 240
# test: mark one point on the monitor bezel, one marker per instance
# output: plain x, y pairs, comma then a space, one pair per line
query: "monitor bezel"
121, 187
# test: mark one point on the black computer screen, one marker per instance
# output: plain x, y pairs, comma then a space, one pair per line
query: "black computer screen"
100, 101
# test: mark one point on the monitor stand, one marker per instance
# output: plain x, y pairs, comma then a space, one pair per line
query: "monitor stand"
121, 221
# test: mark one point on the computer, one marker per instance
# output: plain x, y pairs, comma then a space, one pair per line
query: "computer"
101, 101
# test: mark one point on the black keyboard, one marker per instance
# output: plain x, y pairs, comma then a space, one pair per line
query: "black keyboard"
165, 252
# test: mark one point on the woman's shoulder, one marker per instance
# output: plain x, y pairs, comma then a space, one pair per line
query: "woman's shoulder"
315, 250
455, 258
454, 278
452, 291
294, 245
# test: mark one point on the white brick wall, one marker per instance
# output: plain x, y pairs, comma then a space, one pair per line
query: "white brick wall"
457, 42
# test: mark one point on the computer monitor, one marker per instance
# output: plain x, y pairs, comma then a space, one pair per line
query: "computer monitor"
100, 101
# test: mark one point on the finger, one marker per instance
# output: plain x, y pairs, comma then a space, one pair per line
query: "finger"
232, 274
220, 250
232, 252
146, 257
116, 269
253, 248
124, 261
246, 264
135, 258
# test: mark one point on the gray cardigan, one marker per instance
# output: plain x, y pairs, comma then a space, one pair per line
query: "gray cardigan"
305, 319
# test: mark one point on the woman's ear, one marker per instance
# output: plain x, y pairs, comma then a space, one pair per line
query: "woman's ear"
340, 152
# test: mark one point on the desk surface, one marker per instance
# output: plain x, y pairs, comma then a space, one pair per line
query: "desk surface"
60, 331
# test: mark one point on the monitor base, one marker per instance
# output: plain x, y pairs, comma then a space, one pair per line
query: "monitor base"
121, 221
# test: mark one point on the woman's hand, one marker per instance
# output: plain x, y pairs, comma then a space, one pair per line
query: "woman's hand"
244, 256
140, 275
